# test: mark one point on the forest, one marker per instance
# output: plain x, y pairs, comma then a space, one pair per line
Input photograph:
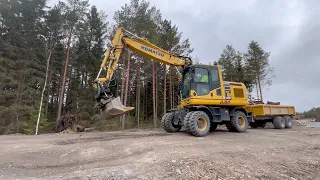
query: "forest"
50, 56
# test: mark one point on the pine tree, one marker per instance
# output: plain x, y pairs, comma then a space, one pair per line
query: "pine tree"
22, 61
227, 62
73, 14
258, 67
141, 19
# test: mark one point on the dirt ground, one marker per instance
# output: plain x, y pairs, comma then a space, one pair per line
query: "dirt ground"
257, 154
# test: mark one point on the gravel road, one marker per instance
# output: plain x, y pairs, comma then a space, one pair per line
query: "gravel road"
257, 154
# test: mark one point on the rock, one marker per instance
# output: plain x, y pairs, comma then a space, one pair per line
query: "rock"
178, 171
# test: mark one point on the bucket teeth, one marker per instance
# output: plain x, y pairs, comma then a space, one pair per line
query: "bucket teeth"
115, 108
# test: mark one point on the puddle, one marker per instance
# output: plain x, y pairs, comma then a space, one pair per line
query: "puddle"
314, 124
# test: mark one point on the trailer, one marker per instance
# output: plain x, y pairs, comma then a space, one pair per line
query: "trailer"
280, 115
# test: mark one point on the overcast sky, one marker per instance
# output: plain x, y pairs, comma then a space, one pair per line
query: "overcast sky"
289, 29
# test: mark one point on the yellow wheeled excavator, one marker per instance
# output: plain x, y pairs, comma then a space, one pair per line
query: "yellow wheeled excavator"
206, 99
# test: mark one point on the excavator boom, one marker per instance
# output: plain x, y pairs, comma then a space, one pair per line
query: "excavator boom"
109, 106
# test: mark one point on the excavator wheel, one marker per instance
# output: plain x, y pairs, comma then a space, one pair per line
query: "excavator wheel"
197, 123
167, 123
239, 122
230, 127
186, 119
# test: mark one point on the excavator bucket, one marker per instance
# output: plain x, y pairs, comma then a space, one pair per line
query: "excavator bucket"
115, 108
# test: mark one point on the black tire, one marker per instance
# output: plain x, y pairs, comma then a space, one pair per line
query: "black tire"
279, 122
253, 125
229, 127
288, 122
167, 123
198, 123
186, 118
239, 122
213, 126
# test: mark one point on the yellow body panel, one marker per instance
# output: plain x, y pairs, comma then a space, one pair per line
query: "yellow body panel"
227, 98
270, 110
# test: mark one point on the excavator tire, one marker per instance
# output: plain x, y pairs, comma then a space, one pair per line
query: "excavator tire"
279, 122
229, 127
288, 122
239, 122
167, 123
186, 118
198, 123
213, 126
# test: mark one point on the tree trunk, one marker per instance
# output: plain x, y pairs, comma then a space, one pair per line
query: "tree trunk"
257, 90
154, 95
164, 89
122, 86
20, 97
63, 83
156, 89
173, 94
117, 84
260, 89
170, 88
146, 101
138, 95
126, 90
123, 79
49, 83
42, 94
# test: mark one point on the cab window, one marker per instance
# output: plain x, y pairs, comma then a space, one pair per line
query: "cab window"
214, 75
201, 75
186, 84
201, 79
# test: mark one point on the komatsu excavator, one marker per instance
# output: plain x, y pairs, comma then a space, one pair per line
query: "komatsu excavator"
206, 99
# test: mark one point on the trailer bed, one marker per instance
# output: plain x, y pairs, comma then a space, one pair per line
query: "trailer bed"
268, 110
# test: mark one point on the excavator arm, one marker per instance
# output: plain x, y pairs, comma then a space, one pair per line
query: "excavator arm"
109, 106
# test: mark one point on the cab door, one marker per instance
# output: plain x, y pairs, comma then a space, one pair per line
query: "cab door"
215, 83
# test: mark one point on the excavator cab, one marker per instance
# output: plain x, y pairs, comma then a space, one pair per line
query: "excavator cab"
200, 80
204, 85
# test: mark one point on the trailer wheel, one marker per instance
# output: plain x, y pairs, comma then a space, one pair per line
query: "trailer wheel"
198, 123
167, 123
288, 122
279, 122
239, 122
213, 126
